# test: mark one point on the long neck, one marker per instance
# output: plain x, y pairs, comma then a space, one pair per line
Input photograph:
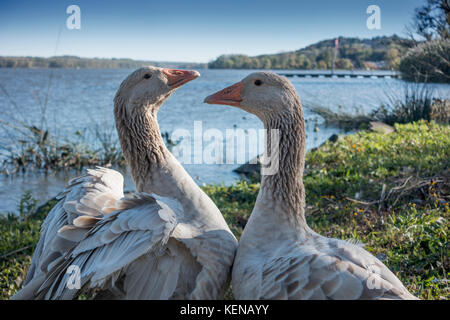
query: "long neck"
142, 145
284, 187
155, 170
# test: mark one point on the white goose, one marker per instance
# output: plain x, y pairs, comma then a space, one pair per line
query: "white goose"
279, 256
171, 242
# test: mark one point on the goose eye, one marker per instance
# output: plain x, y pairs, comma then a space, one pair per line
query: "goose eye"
258, 82
147, 76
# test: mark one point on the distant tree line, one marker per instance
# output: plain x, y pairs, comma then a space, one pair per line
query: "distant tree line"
88, 63
353, 53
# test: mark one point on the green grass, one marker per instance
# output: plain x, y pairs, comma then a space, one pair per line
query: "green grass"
406, 226
19, 232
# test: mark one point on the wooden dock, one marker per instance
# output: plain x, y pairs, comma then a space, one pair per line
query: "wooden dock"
342, 74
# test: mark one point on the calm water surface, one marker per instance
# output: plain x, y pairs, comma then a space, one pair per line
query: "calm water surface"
82, 100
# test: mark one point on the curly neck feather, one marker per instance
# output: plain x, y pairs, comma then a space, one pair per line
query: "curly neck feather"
285, 187
141, 141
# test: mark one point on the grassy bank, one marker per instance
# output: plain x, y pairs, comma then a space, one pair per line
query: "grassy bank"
389, 191
415, 103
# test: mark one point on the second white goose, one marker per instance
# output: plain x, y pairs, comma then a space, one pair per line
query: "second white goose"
279, 256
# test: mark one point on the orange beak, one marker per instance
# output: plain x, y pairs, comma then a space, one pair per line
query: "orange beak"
177, 78
230, 96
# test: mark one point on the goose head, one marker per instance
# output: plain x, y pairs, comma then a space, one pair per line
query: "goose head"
147, 88
136, 104
265, 94
273, 99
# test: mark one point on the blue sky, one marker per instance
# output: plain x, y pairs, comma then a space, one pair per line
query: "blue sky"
189, 30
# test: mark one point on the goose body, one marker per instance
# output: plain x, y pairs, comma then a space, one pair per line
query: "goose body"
279, 256
168, 242
305, 265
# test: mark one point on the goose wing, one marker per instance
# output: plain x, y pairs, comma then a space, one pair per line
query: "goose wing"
112, 245
89, 198
142, 252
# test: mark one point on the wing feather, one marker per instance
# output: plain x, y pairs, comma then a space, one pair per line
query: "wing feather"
79, 207
133, 239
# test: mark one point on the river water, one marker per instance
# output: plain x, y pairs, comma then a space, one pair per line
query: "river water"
82, 100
